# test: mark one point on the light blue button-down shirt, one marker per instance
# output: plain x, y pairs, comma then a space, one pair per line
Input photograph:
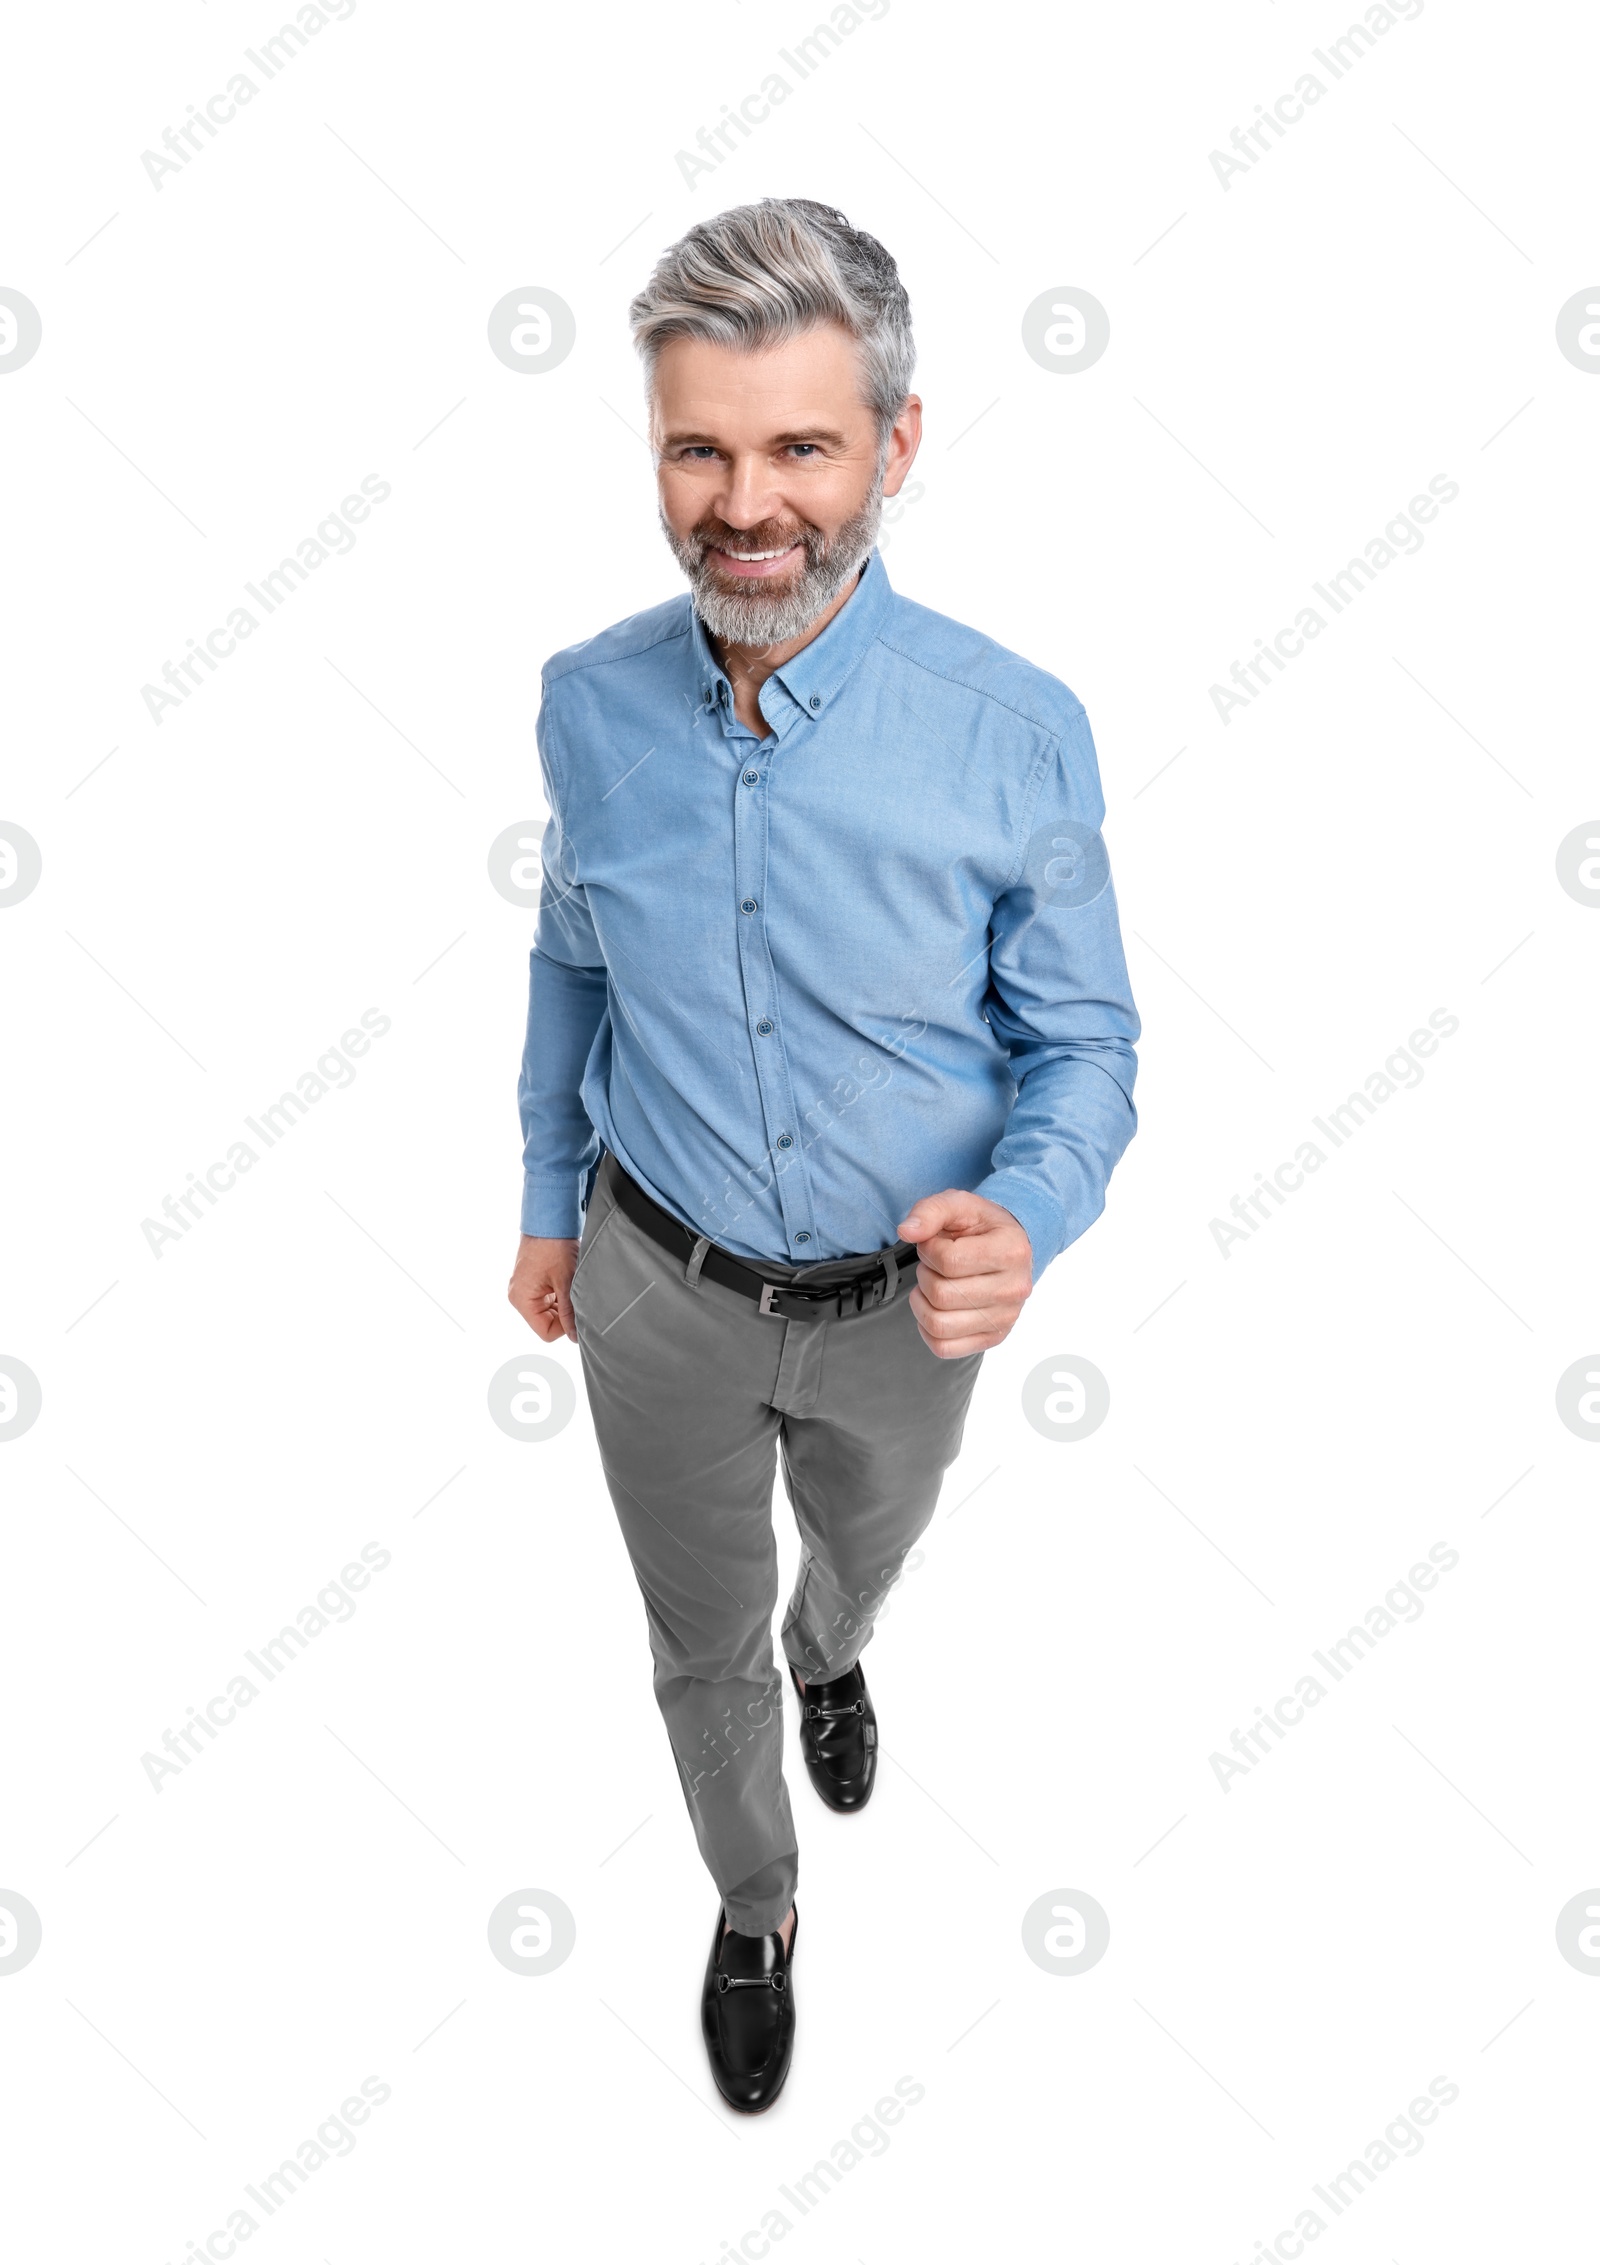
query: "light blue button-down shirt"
794, 982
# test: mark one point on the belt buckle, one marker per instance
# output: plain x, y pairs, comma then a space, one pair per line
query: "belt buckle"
860, 1296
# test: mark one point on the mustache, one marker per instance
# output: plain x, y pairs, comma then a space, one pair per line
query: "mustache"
767, 535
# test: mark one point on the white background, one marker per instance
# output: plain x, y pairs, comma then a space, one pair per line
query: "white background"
305, 1372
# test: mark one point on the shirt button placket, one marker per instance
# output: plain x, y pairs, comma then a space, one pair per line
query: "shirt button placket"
750, 878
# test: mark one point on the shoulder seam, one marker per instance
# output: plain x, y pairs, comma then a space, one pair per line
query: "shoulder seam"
948, 676
605, 660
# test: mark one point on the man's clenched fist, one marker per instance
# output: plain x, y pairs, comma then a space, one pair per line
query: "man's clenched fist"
975, 1275
541, 1285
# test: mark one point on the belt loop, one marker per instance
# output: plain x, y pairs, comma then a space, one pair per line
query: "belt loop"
891, 1278
697, 1259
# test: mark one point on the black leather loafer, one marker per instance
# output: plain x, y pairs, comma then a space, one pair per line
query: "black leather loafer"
747, 2014
839, 1738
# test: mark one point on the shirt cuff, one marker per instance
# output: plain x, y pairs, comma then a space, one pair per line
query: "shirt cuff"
1039, 1220
550, 1204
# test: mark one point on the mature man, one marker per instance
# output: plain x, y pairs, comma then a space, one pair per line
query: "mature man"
830, 1040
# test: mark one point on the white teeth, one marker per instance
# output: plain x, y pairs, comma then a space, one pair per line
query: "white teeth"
762, 554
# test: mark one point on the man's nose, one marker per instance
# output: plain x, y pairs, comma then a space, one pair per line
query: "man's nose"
748, 494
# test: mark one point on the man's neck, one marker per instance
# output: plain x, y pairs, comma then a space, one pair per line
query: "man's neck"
747, 667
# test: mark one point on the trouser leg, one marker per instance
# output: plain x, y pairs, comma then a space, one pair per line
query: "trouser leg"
679, 1383
863, 1462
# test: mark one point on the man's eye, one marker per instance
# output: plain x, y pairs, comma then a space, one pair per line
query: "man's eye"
697, 453
803, 448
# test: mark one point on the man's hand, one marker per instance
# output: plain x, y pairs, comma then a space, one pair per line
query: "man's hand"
541, 1285
976, 1271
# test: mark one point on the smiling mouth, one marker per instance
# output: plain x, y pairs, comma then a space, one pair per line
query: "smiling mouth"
752, 563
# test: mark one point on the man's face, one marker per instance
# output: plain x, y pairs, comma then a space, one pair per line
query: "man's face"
771, 477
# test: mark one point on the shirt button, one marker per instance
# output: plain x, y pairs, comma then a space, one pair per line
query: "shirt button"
749, 905
802, 1237
750, 777
816, 700
786, 1140
763, 1028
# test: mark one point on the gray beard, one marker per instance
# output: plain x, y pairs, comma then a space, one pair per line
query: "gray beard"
756, 616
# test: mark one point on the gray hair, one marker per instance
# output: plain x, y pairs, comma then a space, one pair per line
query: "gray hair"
764, 272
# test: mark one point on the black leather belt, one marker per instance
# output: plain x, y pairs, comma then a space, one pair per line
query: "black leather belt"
834, 1287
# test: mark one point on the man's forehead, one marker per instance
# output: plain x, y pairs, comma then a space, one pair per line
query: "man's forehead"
802, 388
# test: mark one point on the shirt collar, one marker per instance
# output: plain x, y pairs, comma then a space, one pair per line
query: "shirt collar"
818, 673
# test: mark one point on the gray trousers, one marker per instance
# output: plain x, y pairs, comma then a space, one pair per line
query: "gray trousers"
693, 1395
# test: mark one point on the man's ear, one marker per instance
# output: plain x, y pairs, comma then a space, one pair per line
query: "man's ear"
905, 438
